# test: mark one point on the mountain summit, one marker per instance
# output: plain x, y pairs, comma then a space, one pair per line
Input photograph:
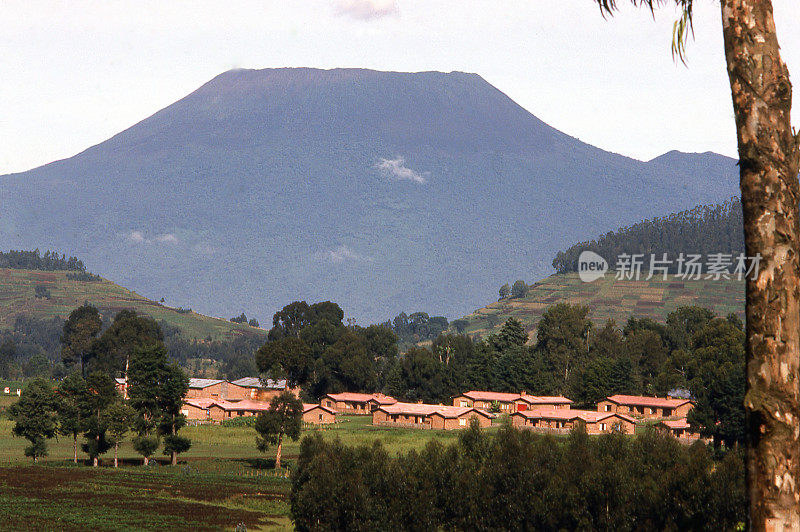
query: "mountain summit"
382, 191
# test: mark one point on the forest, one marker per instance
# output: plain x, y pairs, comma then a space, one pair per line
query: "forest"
33, 260
518, 480
704, 230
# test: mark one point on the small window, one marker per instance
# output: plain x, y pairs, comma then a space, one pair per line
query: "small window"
320, 417
608, 408
462, 422
602, 426
464, 404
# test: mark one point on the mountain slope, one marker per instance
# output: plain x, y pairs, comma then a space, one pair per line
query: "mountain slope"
18, 297
382, 191
609, 298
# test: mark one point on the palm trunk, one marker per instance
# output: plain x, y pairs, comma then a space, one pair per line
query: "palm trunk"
769, 163
278, 454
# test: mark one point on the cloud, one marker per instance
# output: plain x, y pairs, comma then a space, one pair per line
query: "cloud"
139, 238
366, 9
169, 237
396, 168
343, 254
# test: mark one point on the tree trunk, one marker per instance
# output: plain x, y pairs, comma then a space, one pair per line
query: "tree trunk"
94, 461
146, 461
116, 448
75, 448
278, 454
173, 455
769, 163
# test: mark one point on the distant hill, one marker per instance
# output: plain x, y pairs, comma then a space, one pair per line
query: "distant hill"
608, 298
60, 295
382, 191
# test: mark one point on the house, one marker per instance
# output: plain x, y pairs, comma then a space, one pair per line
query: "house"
258, 390
679, 428
197, 409
509, 402
563, 420
425, 416
222, 410
355, 403
215, 389
318, 414
646, 407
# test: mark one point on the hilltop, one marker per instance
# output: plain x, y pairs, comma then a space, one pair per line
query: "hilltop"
609, 298
382, 191
60, 295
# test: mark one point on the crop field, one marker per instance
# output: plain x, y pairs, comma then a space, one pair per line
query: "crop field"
609, 298
220, 482
18, 296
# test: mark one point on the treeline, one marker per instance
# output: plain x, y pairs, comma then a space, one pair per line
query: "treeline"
416, 327
87, 400
32, 260
32, 348
517, 480
694, 352
704, 230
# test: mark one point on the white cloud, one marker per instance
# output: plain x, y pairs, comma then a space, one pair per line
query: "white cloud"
396, 168
366, 9
168, 237
139, 238
343, 253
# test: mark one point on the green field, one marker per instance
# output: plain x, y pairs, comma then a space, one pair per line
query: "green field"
221, 482
608, 298
17, 296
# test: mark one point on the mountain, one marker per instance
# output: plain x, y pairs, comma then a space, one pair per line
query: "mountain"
609, 298
60, 295
382, 191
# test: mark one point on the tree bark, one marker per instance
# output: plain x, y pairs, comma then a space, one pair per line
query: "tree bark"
75, 448
116, 448
769, 163
278, 453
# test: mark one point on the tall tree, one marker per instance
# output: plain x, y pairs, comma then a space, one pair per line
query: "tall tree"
284, 418
78, 336
101, 393
118, 419
71, 418
129, 331
174, 386
286, 358
769, 162
34, 417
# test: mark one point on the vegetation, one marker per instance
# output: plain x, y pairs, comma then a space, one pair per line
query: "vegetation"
284, 418
516, 480
34, 416
704, 230
32, 260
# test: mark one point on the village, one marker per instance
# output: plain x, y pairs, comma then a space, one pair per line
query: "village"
217, 400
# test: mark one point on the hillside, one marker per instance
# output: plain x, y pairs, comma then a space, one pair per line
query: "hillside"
382, 191
18, 296
608, 298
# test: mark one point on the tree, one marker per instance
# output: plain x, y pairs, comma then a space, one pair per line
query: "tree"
8, 351
241, 318
505, 291
78, 335
101, 392
562, 335
519, 288
174, 387
286, 358
118, 419
71, 417
34, 416
284, 417
156, 391
769, 162
512, 334
113, 350
253, 323
290, 320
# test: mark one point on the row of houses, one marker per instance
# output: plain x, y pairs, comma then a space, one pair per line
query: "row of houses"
217, 410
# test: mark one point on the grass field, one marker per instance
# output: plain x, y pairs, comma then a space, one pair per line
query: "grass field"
609, 298
221, 482
17, 296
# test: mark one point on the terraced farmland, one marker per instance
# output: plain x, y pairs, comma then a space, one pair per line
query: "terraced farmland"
58, 296
609, 298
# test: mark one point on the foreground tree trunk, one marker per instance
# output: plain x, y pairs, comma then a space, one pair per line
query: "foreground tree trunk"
116, 448
75, 448
278, 453
769, 163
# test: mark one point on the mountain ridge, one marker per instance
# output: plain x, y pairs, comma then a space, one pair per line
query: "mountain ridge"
385, 192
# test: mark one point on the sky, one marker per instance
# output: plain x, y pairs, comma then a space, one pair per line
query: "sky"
75, 72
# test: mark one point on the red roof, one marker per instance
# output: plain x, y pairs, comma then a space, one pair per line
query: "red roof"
588, 416
199, 403
492, 396
640, 400
545, 399
676, 424
363, 397
422, 409
307, 407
